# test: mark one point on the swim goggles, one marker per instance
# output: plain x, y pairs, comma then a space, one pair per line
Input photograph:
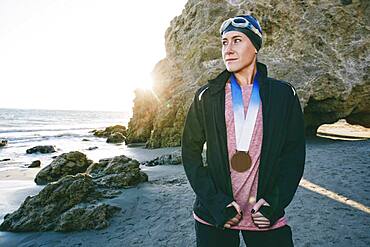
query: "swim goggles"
239, 22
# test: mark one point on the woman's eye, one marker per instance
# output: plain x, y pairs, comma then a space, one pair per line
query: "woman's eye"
224, 43
237, 40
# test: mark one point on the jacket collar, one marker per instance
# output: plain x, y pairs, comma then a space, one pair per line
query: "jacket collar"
219, 83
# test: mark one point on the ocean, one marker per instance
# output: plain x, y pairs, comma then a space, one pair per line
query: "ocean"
26, 128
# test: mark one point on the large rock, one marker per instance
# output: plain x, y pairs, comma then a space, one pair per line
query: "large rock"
117, 172
116, 138
41, 149
322, 48
44, 211
73, 202
65, 164
110, 130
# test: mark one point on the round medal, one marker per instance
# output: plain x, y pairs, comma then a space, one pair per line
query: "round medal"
241, 161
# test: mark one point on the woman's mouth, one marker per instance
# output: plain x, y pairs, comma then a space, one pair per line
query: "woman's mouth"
230, 60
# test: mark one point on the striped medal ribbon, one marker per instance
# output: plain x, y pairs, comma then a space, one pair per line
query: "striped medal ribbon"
241, 160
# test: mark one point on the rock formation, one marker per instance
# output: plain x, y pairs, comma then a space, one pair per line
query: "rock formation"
35, 163
141, 124
65, 164
321, 48
66, 205
167, 159
41, 149
117, 172
116, 138
110, 130
3, 143
114, 134
74, 201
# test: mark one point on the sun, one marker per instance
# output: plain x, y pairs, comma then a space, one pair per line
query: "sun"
146, 82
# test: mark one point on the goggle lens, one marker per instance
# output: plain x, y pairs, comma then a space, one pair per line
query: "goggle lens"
239, 22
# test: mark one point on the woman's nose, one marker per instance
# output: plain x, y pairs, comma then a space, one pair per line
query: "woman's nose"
228, 49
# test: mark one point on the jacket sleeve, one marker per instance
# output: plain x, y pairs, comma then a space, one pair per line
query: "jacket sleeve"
291, 163
192, 141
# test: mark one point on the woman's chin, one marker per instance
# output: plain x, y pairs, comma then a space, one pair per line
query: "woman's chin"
232, 69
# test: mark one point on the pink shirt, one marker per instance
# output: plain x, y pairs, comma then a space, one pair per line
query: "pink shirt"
245, 183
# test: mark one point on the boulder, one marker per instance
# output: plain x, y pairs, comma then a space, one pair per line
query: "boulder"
116, 138
110, 130
41, 149
117, 172
36, 163
166, 159
44, 211
3, 143
65, 164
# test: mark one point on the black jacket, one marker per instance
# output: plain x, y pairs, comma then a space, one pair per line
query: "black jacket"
282, 154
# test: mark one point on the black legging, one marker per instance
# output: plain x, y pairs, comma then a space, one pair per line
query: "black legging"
209, 236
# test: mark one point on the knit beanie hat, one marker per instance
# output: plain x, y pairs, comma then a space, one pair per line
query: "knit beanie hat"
255, 39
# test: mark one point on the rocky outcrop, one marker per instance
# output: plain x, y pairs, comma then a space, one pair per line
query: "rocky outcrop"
116, 138
110, 130
43, 211
65, 164
141, 124
35, 163
117, 172
41, 149
74, 201
319, 47
114, 134
3, 143
167, 159
67, 205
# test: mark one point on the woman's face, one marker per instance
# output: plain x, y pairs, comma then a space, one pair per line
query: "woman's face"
238, 52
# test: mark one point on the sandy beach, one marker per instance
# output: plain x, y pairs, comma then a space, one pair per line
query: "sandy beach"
158, 212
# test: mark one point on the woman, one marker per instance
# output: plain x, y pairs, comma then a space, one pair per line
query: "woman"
254, 131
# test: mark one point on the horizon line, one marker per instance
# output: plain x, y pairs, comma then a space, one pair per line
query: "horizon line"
48, 109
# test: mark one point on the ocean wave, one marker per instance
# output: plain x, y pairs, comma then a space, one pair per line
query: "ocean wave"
34, 138
50, 129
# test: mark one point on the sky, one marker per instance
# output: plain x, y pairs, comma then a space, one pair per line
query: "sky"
80, 54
